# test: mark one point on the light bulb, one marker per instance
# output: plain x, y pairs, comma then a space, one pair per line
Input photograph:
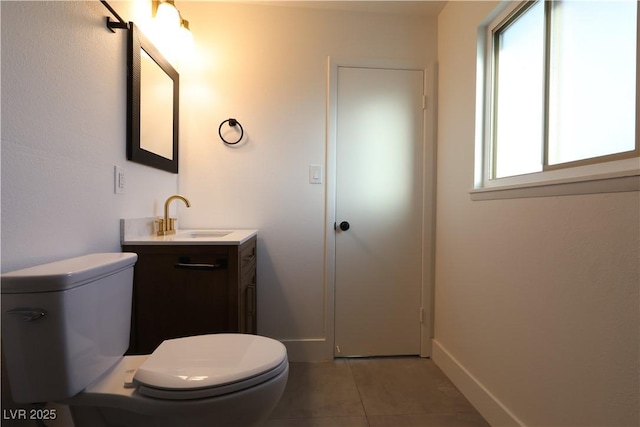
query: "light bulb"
167, 16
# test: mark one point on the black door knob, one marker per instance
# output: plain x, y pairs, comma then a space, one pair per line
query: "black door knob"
344, 226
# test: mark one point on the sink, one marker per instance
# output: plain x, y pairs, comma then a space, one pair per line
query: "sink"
205, 233
141, 231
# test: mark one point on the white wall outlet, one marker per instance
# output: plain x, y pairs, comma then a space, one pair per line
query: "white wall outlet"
315, 174
118, 180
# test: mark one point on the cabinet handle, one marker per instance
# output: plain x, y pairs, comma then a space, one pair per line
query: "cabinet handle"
197, 266
250, 299
28, 314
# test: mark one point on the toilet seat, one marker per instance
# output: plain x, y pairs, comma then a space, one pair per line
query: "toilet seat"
209, 365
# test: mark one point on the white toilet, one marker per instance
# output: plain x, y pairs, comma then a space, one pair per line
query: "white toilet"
65, 328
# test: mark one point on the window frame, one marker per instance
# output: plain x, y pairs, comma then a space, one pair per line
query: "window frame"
610, 173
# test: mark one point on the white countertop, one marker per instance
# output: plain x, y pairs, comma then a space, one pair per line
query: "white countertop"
139, 232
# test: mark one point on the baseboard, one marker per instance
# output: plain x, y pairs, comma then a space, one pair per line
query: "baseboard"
308, 350
480, 397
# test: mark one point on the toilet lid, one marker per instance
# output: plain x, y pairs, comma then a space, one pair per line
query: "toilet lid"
209, 365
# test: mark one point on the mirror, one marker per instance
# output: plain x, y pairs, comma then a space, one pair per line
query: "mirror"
152, 105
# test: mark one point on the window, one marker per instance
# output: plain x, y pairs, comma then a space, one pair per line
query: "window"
560, 90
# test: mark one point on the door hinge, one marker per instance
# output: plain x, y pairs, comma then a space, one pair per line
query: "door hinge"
421, 315
424, 102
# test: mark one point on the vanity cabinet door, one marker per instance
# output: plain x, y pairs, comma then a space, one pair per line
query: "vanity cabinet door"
248, 314
180, 291
247, 292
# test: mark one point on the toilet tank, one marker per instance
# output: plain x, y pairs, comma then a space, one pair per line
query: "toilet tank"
65, 323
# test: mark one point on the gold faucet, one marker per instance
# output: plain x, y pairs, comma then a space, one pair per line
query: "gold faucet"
166, 225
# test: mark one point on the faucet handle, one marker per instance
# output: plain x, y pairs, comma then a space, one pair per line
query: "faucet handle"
159, 226
166, 228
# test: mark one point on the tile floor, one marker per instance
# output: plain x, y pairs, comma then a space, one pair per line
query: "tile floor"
372, 392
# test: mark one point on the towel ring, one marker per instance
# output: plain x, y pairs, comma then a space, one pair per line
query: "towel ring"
233, 123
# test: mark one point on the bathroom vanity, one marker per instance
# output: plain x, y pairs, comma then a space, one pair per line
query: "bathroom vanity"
192, 283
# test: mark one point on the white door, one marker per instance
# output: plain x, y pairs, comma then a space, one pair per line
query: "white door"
379, 197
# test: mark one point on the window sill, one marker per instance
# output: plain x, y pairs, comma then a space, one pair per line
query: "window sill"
606, 183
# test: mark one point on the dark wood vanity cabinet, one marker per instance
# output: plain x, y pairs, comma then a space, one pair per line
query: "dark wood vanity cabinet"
184, 290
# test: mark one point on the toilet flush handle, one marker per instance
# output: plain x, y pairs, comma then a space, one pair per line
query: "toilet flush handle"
28, 314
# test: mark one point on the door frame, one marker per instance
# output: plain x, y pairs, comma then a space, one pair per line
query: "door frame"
429, 193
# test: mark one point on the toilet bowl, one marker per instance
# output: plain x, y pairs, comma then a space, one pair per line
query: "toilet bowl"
65, 329
207, 380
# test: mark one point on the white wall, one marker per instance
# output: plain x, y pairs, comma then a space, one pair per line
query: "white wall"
537, 307
267, 67
63, 130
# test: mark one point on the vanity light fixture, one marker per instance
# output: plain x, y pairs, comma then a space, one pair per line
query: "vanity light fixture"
166, 14
173, 33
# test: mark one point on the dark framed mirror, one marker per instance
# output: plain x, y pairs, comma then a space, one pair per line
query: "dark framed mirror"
153, 88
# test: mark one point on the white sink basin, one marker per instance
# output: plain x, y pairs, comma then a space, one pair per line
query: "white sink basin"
204, 234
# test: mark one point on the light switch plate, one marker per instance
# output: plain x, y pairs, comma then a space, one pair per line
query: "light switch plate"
118, 180
315, 174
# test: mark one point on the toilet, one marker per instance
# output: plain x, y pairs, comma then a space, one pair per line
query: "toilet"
65, 329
